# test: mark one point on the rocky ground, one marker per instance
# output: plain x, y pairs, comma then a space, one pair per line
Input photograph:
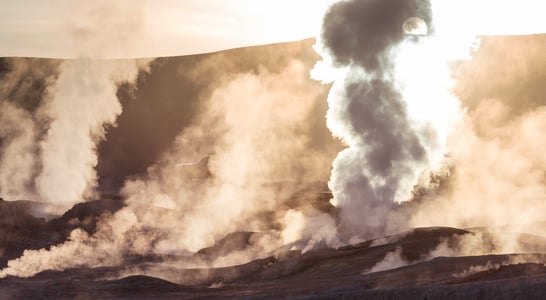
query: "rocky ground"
318, 274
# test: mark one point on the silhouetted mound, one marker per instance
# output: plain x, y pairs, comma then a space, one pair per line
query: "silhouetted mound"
13, 214
507, 272
139, 285
86, 215
92, 209
236, 241
20, 230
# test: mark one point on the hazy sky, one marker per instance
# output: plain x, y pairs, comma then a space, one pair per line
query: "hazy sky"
49, 28
144, 28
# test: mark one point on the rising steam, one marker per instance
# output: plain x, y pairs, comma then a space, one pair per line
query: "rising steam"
388, 149
50, 151
21, 87
82, 103
408, 109
262, 177
398, 108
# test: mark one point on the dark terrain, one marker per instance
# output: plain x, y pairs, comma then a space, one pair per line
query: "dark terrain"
319, 273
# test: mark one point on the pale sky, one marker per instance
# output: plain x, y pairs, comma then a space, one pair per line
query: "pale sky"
144, 28
151, 28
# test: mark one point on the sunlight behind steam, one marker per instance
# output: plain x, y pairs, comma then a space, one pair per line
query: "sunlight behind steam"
168, 27
369, 63
455, 35
415, 26
394, 109
490, 17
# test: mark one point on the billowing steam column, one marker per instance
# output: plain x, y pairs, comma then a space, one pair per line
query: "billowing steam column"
82, 102
387, 149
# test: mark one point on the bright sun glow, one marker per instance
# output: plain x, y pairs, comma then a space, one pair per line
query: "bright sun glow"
453, 35
154, 28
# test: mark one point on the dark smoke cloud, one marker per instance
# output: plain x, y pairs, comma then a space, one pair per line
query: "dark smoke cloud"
386, 151
362, 32
377, 112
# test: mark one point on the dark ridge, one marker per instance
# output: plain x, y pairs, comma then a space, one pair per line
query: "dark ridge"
140, 285
329, 273
342, 262
235, 241
17, 211
86, 215
505, 272
420, 241
4, 67
82, 273
92, 209
20, 230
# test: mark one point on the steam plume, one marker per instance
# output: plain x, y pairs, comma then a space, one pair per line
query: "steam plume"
82, 103
21, 88
76, 109
18, 133
263, 166
256, 128
394, 125
397, 108
387, 150
498, 165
